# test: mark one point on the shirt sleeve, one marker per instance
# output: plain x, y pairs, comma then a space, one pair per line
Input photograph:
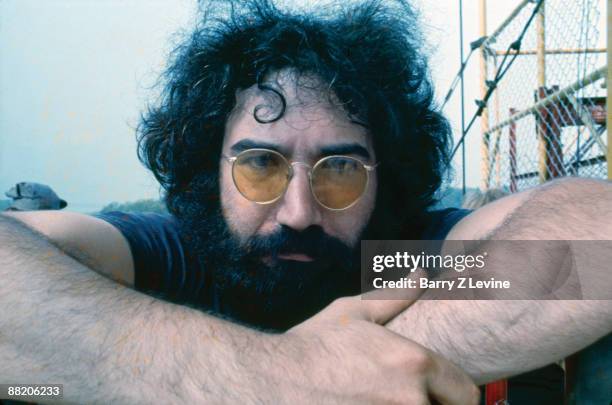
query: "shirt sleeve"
442, 221
160, 264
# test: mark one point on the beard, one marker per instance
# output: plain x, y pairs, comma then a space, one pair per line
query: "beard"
249, 282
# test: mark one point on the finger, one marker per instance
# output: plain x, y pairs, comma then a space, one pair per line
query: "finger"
382, 311
449, 385
382, 305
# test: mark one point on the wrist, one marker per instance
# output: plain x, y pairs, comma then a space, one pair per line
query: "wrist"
226, 363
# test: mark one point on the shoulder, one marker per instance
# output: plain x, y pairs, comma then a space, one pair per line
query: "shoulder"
146, 232
155, 243
142, 220
144, 227
93, 242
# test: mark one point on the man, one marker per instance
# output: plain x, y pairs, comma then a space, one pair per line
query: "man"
281, 141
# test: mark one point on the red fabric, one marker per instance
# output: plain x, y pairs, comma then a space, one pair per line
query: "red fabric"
496, 393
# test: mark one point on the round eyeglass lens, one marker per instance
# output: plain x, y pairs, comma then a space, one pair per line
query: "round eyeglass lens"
260, 175
338, 182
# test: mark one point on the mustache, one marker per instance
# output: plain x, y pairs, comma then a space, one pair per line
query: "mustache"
312, 241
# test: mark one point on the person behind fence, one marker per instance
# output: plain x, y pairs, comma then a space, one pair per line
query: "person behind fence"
477, 198
282, 139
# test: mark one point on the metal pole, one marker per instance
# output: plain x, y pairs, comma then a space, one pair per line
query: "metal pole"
499, 134
557, 96
512, 150
562, 51
609, 95
484, 118
493, 37
462, 95
494, 136
541, 68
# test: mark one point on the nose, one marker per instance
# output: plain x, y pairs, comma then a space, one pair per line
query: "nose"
298, 209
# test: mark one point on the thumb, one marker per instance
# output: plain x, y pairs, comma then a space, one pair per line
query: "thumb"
382, 305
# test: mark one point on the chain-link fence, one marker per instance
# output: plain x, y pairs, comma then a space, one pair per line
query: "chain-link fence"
547, 116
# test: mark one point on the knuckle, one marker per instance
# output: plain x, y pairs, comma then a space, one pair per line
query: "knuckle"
342, 304
475, 395
419, 360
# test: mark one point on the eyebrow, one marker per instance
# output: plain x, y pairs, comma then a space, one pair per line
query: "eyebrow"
346, 149
328, 150
246, 144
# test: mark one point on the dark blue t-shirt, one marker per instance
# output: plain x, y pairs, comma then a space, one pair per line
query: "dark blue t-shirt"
164, 268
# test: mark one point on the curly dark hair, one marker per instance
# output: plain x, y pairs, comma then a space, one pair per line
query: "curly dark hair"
369, 56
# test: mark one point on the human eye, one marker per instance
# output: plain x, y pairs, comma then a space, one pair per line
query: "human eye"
341, 165
260, 162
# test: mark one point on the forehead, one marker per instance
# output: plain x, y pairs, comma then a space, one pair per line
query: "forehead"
311, 120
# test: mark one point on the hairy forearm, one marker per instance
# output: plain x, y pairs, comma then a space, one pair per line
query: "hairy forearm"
493, 339
496, 339
63, 323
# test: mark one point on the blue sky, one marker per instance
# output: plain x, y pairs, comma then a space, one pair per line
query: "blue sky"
75, 74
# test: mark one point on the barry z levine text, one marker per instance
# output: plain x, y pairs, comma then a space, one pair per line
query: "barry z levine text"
460, 282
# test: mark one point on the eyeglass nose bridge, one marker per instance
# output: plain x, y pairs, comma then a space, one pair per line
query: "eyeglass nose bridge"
369, 168
292, 171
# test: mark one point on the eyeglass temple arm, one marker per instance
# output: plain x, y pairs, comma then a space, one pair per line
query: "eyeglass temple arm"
371, 167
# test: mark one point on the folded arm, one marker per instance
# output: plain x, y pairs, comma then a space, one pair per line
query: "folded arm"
496, 339
62, 323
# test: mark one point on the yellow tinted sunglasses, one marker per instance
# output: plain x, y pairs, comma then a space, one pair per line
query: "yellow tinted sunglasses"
263, 175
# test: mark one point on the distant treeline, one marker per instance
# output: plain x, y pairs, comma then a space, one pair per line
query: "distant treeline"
452, 197
145, 205
449, 197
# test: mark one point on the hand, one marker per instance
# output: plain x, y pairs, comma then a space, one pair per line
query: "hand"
344, 355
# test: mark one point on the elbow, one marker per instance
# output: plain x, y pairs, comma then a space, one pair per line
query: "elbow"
582, 205
577, 189
584, 198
